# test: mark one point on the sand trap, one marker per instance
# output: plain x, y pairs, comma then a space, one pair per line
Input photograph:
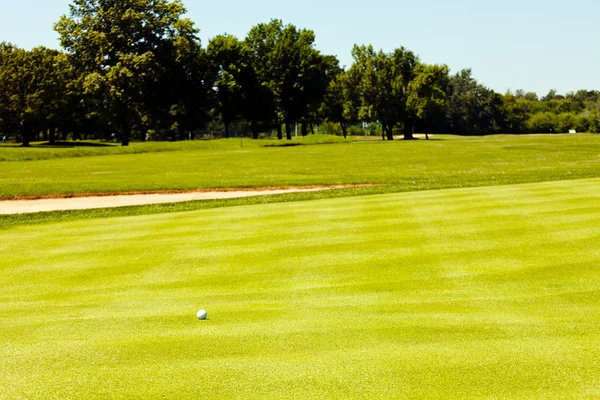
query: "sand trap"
87, 203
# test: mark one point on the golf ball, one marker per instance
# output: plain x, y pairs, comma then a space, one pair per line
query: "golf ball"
202, 314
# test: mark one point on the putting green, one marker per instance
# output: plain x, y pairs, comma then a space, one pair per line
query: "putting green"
469, 293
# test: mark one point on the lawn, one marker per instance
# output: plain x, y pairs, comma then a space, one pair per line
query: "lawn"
88, 148
468, 293
448, 162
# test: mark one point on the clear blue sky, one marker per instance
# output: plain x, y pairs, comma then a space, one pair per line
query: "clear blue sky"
535, 45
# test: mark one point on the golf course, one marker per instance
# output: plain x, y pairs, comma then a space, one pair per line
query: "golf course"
450, 268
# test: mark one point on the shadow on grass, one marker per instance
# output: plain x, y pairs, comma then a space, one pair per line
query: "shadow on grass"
286, 145
62, 145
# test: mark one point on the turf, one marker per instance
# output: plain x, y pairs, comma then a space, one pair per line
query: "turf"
9, 221
470, 293
403, 166
44, 151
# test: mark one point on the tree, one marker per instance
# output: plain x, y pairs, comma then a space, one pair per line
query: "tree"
406, 64
334, 106
20, 94
8, 115
514, 114
58, 92
374, 85
316, 82
126, 48
427, 92
473, 109
290, 68
382, 81
229, 71
34, 90
236, 85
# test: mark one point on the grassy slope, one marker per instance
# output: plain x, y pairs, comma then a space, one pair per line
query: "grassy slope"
43, 151
404, 166
11, 221
470, 293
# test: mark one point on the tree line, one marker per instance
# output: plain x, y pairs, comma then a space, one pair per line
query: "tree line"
136, 70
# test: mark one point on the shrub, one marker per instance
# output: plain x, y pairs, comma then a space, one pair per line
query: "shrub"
355, 131
331, 128
543, 122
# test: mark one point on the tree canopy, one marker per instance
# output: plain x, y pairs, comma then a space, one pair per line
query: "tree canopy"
136, 69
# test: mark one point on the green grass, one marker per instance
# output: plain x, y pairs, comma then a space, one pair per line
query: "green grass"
470, 293
406, 166
89, 148
10, 221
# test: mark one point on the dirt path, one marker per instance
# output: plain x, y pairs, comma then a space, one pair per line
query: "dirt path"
86, 203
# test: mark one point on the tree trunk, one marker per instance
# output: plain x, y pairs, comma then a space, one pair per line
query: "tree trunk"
304, 129
125, 132
52, 135
279, 132
408, 128
25, 137
288, 131
254, 130
344, 129
226, 129
390, 132
312, 129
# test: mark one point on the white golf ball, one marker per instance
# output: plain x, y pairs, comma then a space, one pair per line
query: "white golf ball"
202, 314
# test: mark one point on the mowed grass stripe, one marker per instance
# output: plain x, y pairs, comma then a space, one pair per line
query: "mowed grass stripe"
469, 293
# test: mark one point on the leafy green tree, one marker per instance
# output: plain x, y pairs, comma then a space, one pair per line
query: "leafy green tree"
231, 73
543, 122
316, 82
515, 114
236, 85
34, 90
20, 95
382, 81
290, 68
427, 92
57, 107
407, 65
8, 116
126, 48
370, 74
334, 107
473, 109
593, 110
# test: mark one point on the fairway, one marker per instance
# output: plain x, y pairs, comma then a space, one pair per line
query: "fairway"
449, 162
487, 292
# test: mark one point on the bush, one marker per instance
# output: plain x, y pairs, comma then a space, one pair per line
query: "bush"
355, 131
331, 128
156, 136
569, 121
543, 122
594, 121
546, 122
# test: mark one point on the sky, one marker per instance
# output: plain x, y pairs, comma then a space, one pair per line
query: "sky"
534, 45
